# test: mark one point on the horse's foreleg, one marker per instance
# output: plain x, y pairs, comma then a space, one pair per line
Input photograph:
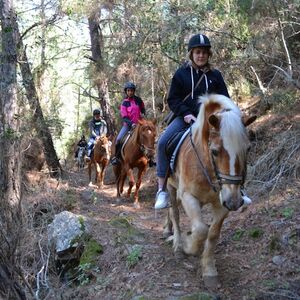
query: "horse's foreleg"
167, 227
130, 181
102, 172
90, 173
141, 173
174, 216
97, 175
122, 180
195, 238
209, 270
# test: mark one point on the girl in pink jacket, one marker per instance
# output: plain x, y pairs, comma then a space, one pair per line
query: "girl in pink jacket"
132, 109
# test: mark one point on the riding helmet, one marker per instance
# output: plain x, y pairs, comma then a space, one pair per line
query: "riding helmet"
129, 85
198, 40
96, 112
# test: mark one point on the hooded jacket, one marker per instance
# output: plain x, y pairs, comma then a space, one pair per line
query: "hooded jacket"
183, 83
131, 110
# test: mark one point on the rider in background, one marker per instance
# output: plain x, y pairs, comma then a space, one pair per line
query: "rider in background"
132, 109
82, 143
97, 127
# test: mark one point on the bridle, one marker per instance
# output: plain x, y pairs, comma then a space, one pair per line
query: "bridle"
221, 178
145, 149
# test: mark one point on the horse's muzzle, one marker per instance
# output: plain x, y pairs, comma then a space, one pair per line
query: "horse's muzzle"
231, 198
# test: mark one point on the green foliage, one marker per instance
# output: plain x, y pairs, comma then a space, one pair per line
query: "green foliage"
134, 256
283, 100
238, 234
255, 233
85, 273
274, 243
288, 212
11, 134
198, 296
70, 199
91, 250
81, 222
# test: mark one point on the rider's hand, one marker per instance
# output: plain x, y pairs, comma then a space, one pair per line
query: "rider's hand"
189, 118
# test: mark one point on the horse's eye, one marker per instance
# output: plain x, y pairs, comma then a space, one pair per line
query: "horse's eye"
215, 152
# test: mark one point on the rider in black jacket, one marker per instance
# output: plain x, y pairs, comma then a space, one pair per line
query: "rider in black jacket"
184, 107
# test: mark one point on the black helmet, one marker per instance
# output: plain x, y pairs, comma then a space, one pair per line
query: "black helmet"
198, 40
96, 112
129, 85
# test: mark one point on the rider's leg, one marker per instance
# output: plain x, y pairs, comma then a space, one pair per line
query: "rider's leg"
162, 196
116, 158
90, 146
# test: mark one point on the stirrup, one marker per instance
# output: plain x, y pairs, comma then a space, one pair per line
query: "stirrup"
115, 161
162, 199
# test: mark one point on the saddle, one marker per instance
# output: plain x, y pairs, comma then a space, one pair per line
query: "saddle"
125, 138
173, 146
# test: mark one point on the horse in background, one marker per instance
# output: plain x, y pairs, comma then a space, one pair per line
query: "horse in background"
210, 169
80, 158
100, 159
135, 153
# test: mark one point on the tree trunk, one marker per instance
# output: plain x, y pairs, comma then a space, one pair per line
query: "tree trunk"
38, 117
101, 80
10, 158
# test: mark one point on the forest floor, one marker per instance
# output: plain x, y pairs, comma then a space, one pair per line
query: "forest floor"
257, 255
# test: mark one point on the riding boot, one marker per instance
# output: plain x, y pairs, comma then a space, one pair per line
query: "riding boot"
152, 163
116, 159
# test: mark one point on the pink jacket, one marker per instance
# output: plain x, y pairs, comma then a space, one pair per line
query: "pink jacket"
131, 110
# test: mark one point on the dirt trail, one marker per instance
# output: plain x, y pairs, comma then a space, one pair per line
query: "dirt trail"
138, 264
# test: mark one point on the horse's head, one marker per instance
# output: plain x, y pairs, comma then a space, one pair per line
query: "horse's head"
103, 144
146, 131
228, 145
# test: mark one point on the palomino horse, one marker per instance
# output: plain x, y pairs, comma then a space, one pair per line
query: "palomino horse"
100, 158
135, 154
80, 158
211, 169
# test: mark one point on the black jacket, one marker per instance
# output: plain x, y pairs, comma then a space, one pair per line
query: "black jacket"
181, 86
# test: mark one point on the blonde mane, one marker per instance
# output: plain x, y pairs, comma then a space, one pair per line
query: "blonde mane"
232, 130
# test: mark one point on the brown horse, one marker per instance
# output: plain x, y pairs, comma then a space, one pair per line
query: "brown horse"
211, 169
135, 154
100, 158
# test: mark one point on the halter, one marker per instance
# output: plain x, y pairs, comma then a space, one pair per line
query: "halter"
221, 178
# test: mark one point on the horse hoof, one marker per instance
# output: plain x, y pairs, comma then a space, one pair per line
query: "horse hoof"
137, 205
91, 184
211, 281
168, 236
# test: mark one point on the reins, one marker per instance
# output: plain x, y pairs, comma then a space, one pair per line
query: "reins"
200, 163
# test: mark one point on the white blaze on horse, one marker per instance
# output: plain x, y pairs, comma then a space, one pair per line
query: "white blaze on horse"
210, 169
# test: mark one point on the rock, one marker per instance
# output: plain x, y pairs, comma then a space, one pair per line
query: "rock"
65, 229
278, 260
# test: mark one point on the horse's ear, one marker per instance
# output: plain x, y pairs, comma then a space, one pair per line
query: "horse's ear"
214, 121
154, 121
247, 120
141, 121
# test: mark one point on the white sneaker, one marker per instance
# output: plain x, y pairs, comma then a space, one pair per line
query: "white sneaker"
247, 200
162, 199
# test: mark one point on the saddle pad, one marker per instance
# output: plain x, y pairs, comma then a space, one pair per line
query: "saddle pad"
175, 152
125, 139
